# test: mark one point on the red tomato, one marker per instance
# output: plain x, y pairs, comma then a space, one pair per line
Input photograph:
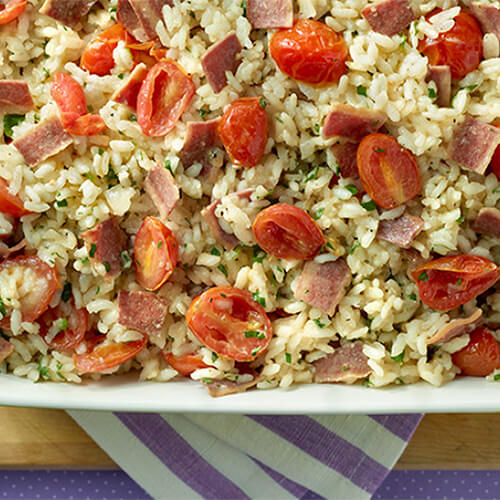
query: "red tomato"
35, 303
495, 160
155, 254
75, 326
105, 357
480, 356
10, 204
388, 172
449, 282
287, 232
460, 48
229, 322
243, 131
12, 10
185, 364
310, 52
86, 125
165, 94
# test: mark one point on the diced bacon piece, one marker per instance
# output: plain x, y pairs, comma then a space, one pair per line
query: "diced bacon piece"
105, 242
457, 327
68, 12
128, 92
46, 139
389, 17
140, 17
6, 251
323, 285
345, 154
15, 97
346, 364
218, 388
488, 222
162, 189
473, 144
6, 349
401, 231
441, 76
141, 311
352, 123
488, 17
127, 17
264, 14
219, 58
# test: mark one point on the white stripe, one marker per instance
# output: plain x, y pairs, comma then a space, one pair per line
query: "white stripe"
279, 454
230, 462
142, 465
366, 434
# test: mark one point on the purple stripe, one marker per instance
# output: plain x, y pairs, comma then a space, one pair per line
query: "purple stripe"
161, 439
402, 426
291, 486
328, 448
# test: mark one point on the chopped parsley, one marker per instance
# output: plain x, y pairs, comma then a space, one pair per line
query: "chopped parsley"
354, 247
203, 112
470, 87
412, 296
160, 243
403, 41
2, 308
459, 282
63, 324
278, 119
258, 254
318, 323
319, 213
399, 357
244, 7
42, 370
120, 76
168, 166
260, 300
62, 203
10, 121
132, 117
288, 357
361, 90
89, 176
431, 93
66, 292
345, 368
58, 372
100, 151
424, 276
313, 174
380, 150
207, 380
214, 357
107, 266
249, 334
316, 128
262, 103
126, 260
92, 250
496, 376
223, 270
255, 351
352, 189
369, 205
461, 219
215, 251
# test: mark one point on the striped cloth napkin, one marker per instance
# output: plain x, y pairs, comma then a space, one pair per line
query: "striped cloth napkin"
177, 456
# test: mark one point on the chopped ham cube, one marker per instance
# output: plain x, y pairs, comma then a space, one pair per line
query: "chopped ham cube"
219, 58
473, 144
401, 231
140, 17
352, 123
6, 349
162, 189
488, 17
46, 139
128, 92
346, 364
345, 154
68, 12
218, 388
457, 327
141, 311
323, 285
488, 222
15, 97
265, 14
105, 243
389, 17
441, 76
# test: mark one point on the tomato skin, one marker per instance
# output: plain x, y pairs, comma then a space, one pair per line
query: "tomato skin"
86, 125
11, 204
12, 10
219, 318
480, 356
185, 364
41, 296
449, 282
310, 52
460, 48
164, 95
389, 173
74, 334
495, 163
243, 130
104, 357
288, 232
155, 254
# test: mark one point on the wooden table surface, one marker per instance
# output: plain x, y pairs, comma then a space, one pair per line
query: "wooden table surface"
36, 438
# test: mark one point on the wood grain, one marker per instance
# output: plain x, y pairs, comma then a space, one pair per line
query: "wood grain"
36, 438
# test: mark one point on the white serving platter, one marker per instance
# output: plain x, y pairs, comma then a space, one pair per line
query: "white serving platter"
125, 393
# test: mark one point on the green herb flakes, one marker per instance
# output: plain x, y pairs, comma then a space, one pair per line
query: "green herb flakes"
126, 260
354, 248
496, 376
369, 205
62, 203
214, 357
215, 251
318, 213
399, 357
424, 276
352, 189
66, 291
318, 323
207, 380
262, 103
288, 357
260, 300
2, 308
223, 270
431, 93
10, 121
461, 219
92, 250
361, 90
255, 334
412, 296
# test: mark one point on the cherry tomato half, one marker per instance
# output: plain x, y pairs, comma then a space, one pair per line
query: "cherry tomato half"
310, 52
12, 10
164, 95
155, 253
185, 364
229, 322
388, 172
43, 282
480, 356
107, 356
10, 204
288, 232
449, 282
495, 160
243, 131
460, 48
69, 322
